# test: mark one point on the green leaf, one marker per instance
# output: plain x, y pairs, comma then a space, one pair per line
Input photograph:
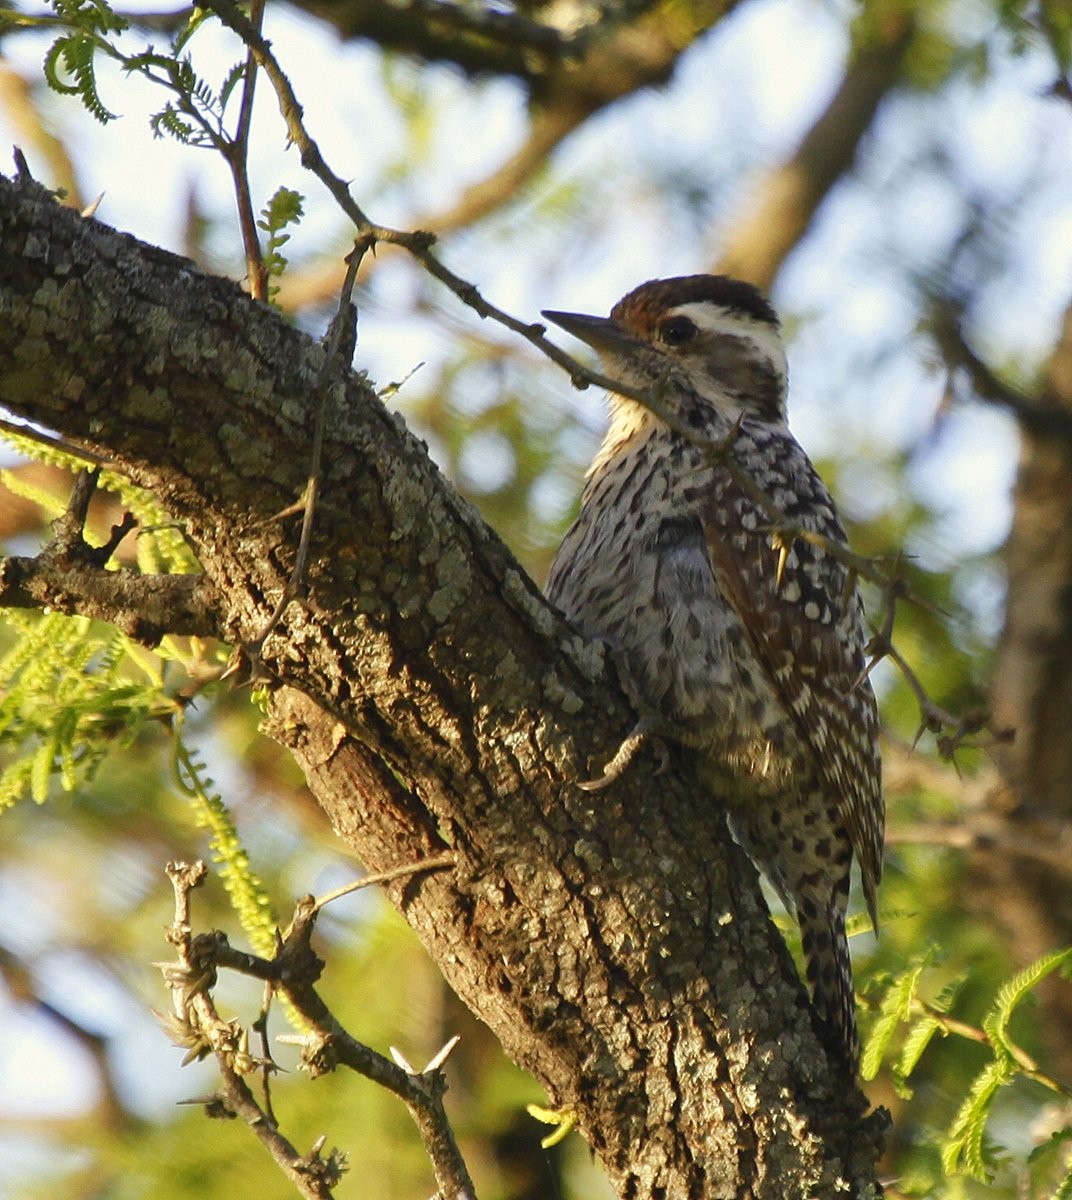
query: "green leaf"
233, 77
51, 69
284, 208
198, 16
41, 772
248, 895
1053, 1143
944, 1000
168, 121
896, 1007
1013, 994
916, 1041
14, 780
70, 694
964, 1150
75, 52
93, 15
1064, 1188
162, 548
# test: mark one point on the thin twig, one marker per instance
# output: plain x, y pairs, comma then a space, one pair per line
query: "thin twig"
236, 153
338, 350
934, 718
69, 528
437, 863
417, 242
329, 1045
981, 832
974, 1033
290, 110
53, 443
294, 971
196, 1023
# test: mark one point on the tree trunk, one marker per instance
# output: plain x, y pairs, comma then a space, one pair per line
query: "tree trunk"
1031, 694
618, 945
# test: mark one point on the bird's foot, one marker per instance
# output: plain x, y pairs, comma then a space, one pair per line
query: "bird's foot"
564, 1120
640, 734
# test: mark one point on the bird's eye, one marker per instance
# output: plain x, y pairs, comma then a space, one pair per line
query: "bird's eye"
676, 331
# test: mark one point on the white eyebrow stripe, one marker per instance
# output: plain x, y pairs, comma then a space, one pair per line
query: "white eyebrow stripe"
716, 319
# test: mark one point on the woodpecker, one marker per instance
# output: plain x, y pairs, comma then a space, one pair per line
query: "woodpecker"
733, 634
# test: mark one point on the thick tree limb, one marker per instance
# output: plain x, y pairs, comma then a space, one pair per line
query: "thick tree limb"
487, 41
624, 58
619, 945
480, 40
1031, 688
1048, 414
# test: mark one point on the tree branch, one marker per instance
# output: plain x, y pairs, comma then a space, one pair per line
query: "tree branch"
145, 607
421, 1091
70, 576
478, 39
1045, 414
195, 1023
294, 971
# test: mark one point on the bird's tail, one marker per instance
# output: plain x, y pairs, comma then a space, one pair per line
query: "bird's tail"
829, 971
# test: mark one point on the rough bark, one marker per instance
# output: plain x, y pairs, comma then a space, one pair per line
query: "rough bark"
618, 945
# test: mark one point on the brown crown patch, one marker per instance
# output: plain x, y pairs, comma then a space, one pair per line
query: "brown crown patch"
644, 306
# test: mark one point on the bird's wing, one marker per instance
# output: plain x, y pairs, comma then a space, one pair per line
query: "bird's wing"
802, 615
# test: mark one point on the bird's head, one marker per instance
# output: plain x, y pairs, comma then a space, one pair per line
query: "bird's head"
714, 339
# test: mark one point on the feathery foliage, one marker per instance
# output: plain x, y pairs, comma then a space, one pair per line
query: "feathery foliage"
70, 64
968, 1146
283, 209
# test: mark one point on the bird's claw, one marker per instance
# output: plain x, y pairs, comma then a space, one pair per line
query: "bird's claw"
624, 755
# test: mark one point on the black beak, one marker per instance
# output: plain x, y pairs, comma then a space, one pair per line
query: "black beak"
601, 333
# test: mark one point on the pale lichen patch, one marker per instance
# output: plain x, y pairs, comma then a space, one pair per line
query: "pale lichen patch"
455, 578
145, 405
556, 692
403, 499
516, 590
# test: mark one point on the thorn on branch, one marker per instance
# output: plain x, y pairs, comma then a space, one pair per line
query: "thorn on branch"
326, 1172
438, 862
215, 1107
22, 167
935, 720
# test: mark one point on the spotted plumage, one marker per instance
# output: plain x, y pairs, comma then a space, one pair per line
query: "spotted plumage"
733, 639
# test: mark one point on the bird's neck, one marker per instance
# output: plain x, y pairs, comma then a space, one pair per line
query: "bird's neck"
631, 425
